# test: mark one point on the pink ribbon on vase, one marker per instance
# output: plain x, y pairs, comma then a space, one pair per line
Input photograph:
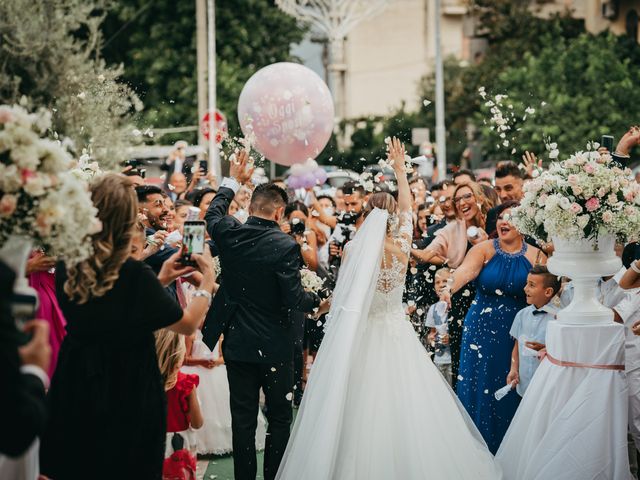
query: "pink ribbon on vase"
561, 363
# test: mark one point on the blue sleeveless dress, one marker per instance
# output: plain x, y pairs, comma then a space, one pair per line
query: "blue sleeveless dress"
486, 344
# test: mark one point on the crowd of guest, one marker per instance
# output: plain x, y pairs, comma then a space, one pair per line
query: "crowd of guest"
128, 362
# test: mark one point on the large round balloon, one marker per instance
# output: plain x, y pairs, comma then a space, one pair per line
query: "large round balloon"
289, 109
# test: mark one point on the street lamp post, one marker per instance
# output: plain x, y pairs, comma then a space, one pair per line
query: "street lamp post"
441, 133
441, 141
214, 154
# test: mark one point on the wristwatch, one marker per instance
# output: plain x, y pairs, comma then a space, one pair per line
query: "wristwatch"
203, 293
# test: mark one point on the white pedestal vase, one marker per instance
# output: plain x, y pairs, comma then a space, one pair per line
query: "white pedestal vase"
572, 421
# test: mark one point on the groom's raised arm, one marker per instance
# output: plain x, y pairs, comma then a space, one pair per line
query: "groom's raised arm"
220, 205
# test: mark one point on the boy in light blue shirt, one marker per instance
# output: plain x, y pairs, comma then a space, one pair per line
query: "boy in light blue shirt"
438, 323
529, 327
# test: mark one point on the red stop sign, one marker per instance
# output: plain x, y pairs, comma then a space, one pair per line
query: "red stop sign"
220, 122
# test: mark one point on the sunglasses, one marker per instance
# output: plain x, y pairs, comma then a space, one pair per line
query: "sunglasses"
465, 197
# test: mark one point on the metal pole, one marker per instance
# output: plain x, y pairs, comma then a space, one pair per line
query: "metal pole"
201, 51
440, 127
214, 155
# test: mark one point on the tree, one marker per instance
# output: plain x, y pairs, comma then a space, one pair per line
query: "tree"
156, 42
48, 54
588, 84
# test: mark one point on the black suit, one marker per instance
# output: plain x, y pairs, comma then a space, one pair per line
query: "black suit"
22, 398
260, 289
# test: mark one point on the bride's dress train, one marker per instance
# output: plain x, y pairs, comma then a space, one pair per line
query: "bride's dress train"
375, 406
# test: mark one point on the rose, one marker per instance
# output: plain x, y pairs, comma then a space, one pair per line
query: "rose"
575, 208
577, 190
588, 168
573, 179
5, 115
592, 204
34, 186
607, 217
542, 199
565, 203
8, 204
601, 192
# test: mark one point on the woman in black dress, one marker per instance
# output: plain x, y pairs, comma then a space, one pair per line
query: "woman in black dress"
107, 403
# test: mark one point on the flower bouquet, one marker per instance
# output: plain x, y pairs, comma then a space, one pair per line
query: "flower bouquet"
41, 200
584, 197
311, 282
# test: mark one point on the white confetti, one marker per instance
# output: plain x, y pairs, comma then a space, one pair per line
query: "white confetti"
486, 390
473, 347
460, 377
413, 270
498, 291
426, 103
289, 396
273, 369
466, 293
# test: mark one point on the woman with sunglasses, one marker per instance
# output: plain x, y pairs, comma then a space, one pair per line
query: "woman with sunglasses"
499, 268
450, 246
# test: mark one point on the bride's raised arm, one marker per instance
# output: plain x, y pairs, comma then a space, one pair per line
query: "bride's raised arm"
396, 157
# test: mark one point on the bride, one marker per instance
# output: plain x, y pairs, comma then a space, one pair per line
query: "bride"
375, 406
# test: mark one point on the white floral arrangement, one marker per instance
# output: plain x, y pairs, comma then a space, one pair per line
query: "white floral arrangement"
583, 197
40, 197
311, 282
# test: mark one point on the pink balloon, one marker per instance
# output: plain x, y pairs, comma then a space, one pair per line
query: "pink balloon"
321, 175
289, 109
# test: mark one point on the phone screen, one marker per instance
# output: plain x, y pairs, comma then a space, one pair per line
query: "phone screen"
193, 238
607, 142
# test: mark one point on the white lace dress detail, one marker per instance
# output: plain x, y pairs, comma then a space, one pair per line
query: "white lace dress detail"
390, 285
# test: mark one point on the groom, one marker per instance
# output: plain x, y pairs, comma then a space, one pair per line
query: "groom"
261, 286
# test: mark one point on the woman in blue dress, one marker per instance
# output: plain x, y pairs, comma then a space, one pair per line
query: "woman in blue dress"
499, 268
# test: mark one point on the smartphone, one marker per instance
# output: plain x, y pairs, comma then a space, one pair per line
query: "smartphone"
607, 142
192, 240
204, 167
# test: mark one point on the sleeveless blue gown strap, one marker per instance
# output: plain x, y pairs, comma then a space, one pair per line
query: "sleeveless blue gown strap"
486, 349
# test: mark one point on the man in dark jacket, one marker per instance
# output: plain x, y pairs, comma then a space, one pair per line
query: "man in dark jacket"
260, 289
23, 375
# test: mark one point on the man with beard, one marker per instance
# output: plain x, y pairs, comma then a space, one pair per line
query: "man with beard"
509, 181
153, 211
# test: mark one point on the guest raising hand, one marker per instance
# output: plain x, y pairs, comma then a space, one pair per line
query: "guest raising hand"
113, 304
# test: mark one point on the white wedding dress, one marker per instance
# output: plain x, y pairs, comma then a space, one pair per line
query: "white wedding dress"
375, 406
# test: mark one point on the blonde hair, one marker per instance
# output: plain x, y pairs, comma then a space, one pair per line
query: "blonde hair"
114, 197
381, 200
443, 272
481, 200
171, 350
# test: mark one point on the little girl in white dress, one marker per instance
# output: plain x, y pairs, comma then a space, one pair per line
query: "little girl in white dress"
213, 393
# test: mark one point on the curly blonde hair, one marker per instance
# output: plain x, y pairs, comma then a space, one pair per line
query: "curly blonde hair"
114, 197
171, 350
